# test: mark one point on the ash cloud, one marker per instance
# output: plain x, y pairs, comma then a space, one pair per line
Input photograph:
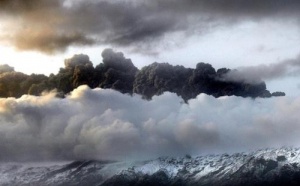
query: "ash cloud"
118, 72
254, 74
132, 24
49, 42
105, 124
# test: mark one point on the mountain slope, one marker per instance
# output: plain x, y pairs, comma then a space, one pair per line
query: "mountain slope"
263, 167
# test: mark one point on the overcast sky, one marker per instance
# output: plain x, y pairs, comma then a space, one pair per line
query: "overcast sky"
37, 35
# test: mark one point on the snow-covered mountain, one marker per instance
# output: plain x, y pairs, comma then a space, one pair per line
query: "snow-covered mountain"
263, 167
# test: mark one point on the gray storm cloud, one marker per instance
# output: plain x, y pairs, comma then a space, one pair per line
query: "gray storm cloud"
54, 25
105, 124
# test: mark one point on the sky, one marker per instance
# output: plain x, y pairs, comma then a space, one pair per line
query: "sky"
259, 38
37, 35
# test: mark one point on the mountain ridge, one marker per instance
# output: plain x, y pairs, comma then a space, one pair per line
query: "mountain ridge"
263, 167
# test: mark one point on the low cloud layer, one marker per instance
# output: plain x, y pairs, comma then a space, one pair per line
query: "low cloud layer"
105, 124
54, 25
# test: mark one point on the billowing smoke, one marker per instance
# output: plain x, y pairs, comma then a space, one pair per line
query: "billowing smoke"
255, 74
6, 68
119, 73
54, 25
105, 124
38, 25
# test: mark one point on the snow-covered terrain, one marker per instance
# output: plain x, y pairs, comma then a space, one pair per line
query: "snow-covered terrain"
263, 167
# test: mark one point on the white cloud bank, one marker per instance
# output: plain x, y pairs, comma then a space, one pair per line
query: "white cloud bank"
105, 124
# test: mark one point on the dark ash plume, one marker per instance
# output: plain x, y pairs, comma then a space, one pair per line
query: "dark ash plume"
118, 73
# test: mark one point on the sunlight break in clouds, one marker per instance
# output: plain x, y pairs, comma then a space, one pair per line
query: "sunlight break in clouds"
105, 124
